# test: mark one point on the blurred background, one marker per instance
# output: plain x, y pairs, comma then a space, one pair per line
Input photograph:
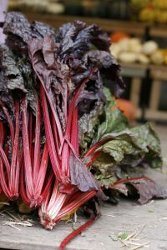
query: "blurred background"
138, 32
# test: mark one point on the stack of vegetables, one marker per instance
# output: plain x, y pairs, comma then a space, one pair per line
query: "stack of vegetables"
132, 50
46, 6
63, 142
150, 10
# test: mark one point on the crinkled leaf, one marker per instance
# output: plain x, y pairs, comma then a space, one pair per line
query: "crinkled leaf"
17, 76
146, 188
51, 73
118, 149
108, 67
105, 181
127, 152
143, 140
40, 30
114, 120
76, 38
16, 24
19, 31
12, 76
11, 81
146, 138
104, 170
30, 84
88, 124
81, 176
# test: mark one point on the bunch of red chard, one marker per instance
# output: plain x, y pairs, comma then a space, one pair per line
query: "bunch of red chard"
57, 127
48, 78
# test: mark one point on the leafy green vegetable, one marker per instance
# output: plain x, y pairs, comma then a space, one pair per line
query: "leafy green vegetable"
114, 120
140, 140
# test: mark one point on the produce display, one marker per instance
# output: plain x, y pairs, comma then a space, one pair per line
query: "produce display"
153, 11
63, 141
44, 6
133, 50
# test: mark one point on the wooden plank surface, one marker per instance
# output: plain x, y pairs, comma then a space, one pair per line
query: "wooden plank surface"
127, 216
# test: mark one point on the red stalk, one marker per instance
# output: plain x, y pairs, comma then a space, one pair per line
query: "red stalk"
4, 186
10, 172
5, 161
71, 133
47, 186
65, 161
55, 133
30, 132
76, 232
22, 186
53, 152
18, 171
36, 162
26, 151
130, 179
71, 137
51, 206
74, 132
13, 184
92, 150
80, 199
59, 128
40, 175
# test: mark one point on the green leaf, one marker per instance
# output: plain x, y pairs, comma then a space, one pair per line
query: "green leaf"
118, 149
114, 120
126, 152
123, 235
141, 141
88, 124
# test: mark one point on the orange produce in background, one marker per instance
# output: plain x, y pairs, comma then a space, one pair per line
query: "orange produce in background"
127, 108
118, 36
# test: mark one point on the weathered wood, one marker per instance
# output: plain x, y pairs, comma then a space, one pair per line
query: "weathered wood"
135, 91
159, 75
133, 70
155, 95
125, 217
156, 115
158, 72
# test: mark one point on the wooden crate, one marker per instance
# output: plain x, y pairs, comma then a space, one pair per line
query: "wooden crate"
159, 75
